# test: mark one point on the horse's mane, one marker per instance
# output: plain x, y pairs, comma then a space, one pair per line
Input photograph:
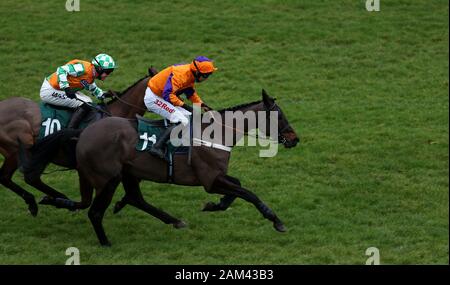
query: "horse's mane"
134, 84
238, 107
119, 94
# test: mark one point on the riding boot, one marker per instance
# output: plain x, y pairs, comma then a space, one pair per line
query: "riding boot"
78, 116
158, 147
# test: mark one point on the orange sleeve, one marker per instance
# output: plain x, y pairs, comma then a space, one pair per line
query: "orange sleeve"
174, 100
195, 98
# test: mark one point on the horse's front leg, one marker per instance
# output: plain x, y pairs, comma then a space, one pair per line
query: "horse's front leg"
34, 179
86, 191
224, 185
99, 205
224, 202
133, 196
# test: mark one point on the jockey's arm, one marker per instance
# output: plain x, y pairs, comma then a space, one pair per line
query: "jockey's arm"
95, 90
192, 95
170, 91
62, 72
175, 100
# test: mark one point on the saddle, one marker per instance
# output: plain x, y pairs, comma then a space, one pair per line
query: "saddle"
55, 118
148, 132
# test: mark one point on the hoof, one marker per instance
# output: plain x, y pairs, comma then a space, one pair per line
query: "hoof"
33, 208
209, 207
279, 227
179, 225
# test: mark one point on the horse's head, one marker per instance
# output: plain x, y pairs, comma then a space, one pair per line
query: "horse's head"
286, 134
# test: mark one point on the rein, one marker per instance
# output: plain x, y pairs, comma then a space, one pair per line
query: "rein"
126, 103
93, 107
246, 133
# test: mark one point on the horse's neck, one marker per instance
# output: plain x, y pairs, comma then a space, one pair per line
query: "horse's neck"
131, 102
234, 133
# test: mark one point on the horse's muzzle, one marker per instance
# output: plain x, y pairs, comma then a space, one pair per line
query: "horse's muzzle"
289, 140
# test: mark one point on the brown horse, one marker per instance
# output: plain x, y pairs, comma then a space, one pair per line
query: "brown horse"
20, 121
119, 161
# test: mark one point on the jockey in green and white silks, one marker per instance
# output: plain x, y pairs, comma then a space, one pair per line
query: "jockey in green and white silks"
62, 88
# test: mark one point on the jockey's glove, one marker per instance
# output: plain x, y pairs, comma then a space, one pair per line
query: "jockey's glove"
187, 107
70, 93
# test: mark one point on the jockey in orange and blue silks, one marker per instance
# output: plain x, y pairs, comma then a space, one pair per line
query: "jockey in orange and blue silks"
164, 89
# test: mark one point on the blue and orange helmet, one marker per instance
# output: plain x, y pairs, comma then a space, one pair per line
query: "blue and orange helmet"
203, 65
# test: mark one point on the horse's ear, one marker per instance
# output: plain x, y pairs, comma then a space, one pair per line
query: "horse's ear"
152, 71
266, 98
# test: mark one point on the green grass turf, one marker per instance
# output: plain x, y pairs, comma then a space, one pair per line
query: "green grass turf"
367, 93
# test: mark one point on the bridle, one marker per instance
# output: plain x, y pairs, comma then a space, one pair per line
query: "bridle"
281, 138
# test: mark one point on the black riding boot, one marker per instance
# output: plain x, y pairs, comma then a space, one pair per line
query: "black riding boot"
78, 116
158, 147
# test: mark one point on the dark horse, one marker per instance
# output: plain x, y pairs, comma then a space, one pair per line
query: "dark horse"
20, 120
106, 155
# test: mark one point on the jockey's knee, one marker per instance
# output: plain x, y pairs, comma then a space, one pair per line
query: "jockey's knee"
184, 121
180, 120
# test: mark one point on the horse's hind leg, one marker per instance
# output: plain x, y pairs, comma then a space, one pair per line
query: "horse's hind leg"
99, 206
134, 198
226, 186
86, 191
34, 179
6, 172
33, 168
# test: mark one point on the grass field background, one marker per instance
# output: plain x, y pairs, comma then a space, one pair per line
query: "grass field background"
367, 93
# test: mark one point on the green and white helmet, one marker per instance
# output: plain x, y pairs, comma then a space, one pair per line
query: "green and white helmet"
104, 61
